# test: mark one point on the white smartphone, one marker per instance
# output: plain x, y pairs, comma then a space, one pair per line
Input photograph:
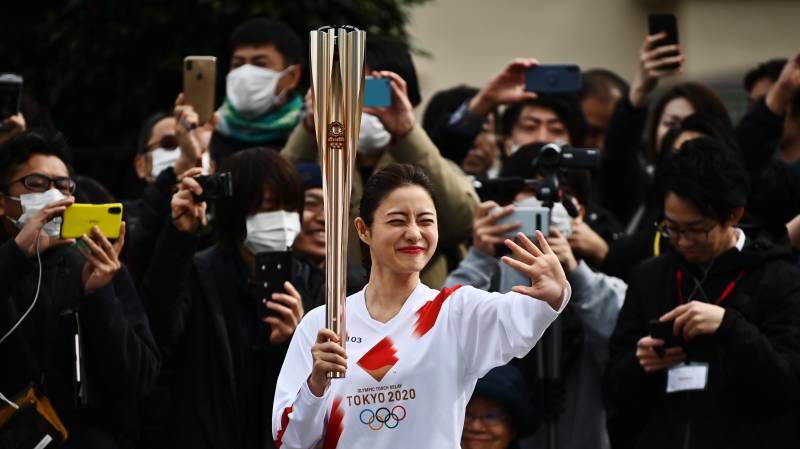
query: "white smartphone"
530, 218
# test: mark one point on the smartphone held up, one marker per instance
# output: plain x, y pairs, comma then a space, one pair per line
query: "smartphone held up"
667, 24
199, 81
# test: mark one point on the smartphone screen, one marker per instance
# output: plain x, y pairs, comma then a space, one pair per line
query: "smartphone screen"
377, 93
665, 23
551, 78
10, 92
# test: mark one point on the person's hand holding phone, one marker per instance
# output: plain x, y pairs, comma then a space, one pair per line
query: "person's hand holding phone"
656, 61
695, 318
26, 238
506, 87
187, 213
328, 355
288, 308
562, 249
399, 118
102, 259
193, 139
486, 233
788, 84
651, 361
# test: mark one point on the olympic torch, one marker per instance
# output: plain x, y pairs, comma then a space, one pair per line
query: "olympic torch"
337, 76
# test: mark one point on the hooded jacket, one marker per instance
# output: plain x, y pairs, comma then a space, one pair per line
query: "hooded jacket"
753, 383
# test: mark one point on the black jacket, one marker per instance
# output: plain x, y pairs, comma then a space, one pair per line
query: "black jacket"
754, 357
121, 362
189, 299
622, 182
775, 189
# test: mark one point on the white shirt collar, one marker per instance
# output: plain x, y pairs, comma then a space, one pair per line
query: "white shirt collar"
740, 239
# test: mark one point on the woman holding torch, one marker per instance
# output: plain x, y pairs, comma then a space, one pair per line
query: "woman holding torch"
413, 353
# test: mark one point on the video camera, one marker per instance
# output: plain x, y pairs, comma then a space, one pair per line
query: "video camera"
547, 161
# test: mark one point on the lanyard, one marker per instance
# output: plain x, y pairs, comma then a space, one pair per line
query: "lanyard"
725, 293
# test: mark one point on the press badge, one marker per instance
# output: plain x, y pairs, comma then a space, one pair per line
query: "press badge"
687, 377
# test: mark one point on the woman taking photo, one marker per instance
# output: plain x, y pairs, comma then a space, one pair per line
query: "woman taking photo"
413, 353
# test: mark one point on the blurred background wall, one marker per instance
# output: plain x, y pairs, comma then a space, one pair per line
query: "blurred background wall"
470, 40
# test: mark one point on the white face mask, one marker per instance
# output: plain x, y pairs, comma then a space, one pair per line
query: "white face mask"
162, 159
34, 202
251, 89
373, 137
205, 161
559, 217
271, 231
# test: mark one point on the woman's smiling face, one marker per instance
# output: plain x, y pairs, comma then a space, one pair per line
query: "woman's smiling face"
404, 232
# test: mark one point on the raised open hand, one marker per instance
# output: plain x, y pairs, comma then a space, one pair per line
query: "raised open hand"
548, 280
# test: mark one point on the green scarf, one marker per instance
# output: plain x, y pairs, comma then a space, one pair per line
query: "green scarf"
275, 125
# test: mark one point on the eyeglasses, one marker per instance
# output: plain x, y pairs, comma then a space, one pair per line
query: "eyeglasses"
492, 417
693, 234
167, 142
38, 182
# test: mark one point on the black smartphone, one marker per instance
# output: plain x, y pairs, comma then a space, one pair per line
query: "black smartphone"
664, 331
272, 270
665, 23
10, 93
377, 93
553, 78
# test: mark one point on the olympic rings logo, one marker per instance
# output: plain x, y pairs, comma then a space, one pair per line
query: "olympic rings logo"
383, 417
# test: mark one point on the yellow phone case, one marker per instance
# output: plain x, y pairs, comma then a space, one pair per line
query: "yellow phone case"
79, 219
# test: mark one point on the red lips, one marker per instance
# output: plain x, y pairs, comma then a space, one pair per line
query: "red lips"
411, 250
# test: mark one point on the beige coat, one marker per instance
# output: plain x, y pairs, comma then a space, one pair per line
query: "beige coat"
456, 198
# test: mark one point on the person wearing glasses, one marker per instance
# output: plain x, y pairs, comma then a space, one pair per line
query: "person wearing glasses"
71, 323
706, 349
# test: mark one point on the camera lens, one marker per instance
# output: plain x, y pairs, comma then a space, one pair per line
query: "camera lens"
188, 65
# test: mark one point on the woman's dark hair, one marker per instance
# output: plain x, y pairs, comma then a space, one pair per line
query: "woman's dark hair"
386, 181
707, 174
261, 31
386, 53
21, 147
566, 106
707, 125
703, 100
254, 172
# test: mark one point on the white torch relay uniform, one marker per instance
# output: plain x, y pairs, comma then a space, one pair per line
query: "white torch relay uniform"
408, 380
